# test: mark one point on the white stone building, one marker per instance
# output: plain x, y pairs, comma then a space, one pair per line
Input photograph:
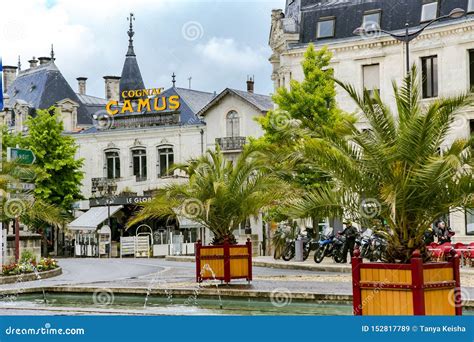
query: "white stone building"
133, 150
443, 53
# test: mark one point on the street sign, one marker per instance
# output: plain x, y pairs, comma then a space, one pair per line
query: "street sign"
21, 186
21, 155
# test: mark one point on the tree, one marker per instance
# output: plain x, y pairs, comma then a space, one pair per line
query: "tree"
402, 170
310, 106
59, 175
220, 194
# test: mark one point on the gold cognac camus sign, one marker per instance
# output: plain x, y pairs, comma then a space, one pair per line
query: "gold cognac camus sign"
143, 102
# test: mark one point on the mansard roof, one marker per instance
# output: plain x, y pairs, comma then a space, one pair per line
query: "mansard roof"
42, 87
348, 15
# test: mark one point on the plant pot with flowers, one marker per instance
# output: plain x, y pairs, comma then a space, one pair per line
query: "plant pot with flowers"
219, 195
402, 173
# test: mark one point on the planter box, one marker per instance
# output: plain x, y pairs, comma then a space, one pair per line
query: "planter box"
224, 262
406, 289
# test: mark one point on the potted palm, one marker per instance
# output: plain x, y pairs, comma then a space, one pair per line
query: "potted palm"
220, 194
405, 172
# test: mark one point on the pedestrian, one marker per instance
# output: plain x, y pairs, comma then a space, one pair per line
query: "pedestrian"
444, 232
429, 236
350, 232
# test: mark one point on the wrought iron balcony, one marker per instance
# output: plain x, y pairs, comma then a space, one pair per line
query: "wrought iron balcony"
231, 143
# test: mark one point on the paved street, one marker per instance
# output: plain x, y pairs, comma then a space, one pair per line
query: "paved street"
143, 273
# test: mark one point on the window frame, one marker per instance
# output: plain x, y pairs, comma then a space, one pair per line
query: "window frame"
142, 163
471, 212
427, 4
434, 77
114, 162
167, 154
234, 122
323, 20
372, 12
470, 62
470, 6
371, 91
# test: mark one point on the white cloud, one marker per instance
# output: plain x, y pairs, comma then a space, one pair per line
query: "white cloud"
227, 53
90, 40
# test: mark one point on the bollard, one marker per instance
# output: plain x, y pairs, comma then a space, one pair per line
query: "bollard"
299, 249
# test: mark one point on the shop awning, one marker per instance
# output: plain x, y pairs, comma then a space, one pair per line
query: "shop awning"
93, 217
186, 223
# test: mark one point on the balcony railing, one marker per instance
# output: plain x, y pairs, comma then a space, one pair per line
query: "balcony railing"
231, 143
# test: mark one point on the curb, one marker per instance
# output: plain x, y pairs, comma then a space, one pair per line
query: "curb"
278, 265
30, 276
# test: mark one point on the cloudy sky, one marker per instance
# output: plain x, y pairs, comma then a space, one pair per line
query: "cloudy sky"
217, 43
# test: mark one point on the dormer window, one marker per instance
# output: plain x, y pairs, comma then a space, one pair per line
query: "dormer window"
470, 6
32, 87
371, 20
15, 91
326, 27
429, 10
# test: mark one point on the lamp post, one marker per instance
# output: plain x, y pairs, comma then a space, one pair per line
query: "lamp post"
106, 188
408, 36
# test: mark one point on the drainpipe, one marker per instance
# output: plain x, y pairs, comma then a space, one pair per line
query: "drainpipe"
202, 141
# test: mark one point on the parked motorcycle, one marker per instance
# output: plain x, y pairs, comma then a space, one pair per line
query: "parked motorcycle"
325, 245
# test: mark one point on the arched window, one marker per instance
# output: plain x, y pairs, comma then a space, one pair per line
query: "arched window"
165, 159
139, 164
112, 164
232, 121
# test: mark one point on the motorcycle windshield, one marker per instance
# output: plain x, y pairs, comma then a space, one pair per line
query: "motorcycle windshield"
328, 231
367, 233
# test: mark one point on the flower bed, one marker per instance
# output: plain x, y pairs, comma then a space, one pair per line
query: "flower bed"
29, 266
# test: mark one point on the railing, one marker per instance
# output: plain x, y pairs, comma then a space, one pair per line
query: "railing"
231, 143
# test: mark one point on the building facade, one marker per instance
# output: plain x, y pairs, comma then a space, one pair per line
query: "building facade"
131, 151
443, 54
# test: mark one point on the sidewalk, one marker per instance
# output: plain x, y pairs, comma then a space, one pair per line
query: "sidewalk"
327, 265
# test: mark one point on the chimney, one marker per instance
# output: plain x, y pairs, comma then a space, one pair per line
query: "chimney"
81, 82
9, 75
250, 83
33, 62
44, 60
112, 88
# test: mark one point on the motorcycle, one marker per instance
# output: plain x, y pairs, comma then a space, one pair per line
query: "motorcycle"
308, 245
325, 245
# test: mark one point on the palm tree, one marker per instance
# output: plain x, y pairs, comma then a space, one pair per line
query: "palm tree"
402, 170
30, 210
220, 194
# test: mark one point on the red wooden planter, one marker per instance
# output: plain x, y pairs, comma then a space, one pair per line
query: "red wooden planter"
223, 262
406, 289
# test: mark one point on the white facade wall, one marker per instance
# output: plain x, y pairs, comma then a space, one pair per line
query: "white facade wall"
185, 140
450, 42
215, 119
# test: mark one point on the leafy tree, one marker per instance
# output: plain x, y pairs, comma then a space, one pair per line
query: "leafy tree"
402, 170
220, 194
59, 175
309, 105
